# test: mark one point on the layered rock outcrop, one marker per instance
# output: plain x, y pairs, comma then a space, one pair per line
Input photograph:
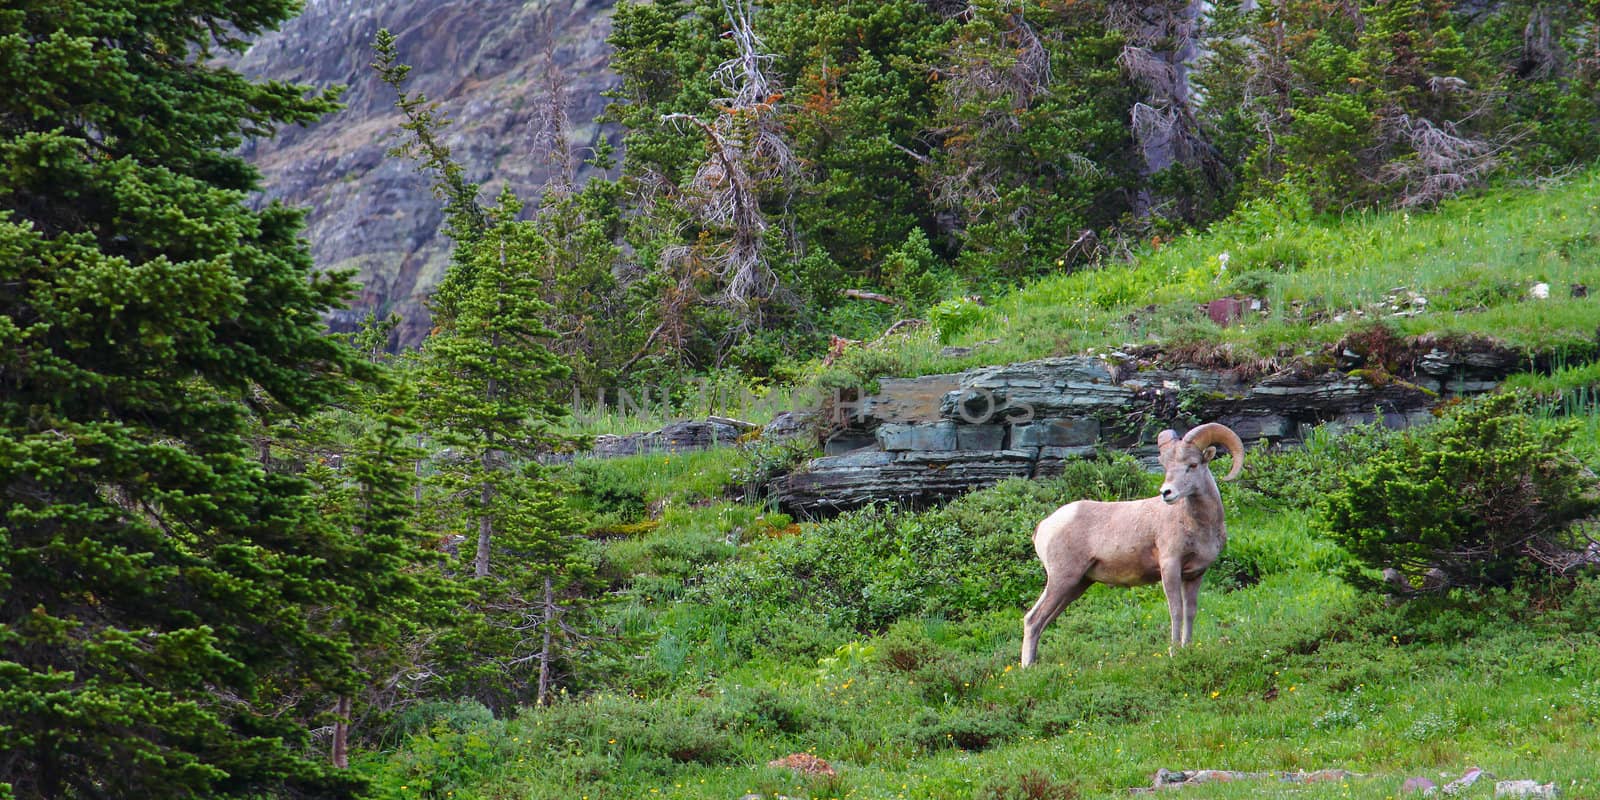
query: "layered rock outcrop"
925, 439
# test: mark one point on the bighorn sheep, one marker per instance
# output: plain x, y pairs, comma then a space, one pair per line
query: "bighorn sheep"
1171, 539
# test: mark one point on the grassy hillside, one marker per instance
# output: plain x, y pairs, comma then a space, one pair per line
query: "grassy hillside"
1465, 269
885, 641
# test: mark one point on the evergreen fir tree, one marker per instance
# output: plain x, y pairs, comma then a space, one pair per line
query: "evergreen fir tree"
394, 592
157, 584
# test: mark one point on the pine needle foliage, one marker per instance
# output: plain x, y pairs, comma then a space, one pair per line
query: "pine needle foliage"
489, 392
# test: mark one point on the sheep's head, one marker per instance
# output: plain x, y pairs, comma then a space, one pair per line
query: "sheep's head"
1186, 459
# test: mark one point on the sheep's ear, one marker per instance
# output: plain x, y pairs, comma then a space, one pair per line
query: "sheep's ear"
1210, 453
1167, 437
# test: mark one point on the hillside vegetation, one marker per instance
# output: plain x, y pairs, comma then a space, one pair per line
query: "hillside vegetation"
244, 557
1469, 271
885, 641
792, 171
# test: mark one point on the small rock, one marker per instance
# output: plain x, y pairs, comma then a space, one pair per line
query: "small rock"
1460, 784
1580, 290
1422, 785
1166, 776
1325, 776
803, 763
1524, 789
1540, 291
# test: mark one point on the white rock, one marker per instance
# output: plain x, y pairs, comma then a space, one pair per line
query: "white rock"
1460, 784
1524, 789
1540, 291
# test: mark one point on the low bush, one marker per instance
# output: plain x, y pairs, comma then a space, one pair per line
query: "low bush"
1030, 785
1304, 477
1485, 496
1067, 709
966, 728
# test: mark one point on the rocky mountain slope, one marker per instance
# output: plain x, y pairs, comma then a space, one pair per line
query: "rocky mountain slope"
493, 65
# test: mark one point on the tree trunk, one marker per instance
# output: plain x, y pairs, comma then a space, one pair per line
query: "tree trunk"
545, 651
485, 531
341, 733
416, 486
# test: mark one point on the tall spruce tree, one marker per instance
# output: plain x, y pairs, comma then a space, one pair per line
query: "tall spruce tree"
394, 595
156, 582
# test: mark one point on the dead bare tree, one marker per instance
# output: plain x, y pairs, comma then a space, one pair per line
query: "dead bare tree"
998, 82
1160, 51
551, 122
1022, 76
1444, 162
949, 9
745, 148
1542, 55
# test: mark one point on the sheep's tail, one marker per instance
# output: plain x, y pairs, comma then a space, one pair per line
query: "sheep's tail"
1213, 433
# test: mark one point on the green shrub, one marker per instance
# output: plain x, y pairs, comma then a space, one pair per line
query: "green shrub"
1304, 477
1233, 569
458, 716
1486, 496
763, 460
762, 708
866, 569
953, 317
675, 729
449, 747
968, 729
906, 647
607, 490
1030, 785
1099, 703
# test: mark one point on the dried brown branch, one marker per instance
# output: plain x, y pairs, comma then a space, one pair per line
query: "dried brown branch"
1443, 164
859, 294
1023, 75
551, 122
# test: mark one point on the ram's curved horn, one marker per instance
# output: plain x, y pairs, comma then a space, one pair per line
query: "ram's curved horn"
1211, 433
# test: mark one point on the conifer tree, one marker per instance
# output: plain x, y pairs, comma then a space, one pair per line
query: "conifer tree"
490, 388
394, 593
157, 584
490, 392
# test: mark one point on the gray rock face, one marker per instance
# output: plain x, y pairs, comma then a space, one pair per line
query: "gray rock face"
925, 439
486, 63
678, 437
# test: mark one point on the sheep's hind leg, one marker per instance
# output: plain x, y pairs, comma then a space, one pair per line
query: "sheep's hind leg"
1056, 596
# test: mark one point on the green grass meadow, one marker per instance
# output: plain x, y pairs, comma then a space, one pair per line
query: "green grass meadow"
742, 638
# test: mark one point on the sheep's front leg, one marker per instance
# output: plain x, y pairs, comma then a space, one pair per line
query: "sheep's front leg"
1191, 605
1172, 585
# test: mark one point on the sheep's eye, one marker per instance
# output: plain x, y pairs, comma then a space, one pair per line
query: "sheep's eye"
1191, 468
